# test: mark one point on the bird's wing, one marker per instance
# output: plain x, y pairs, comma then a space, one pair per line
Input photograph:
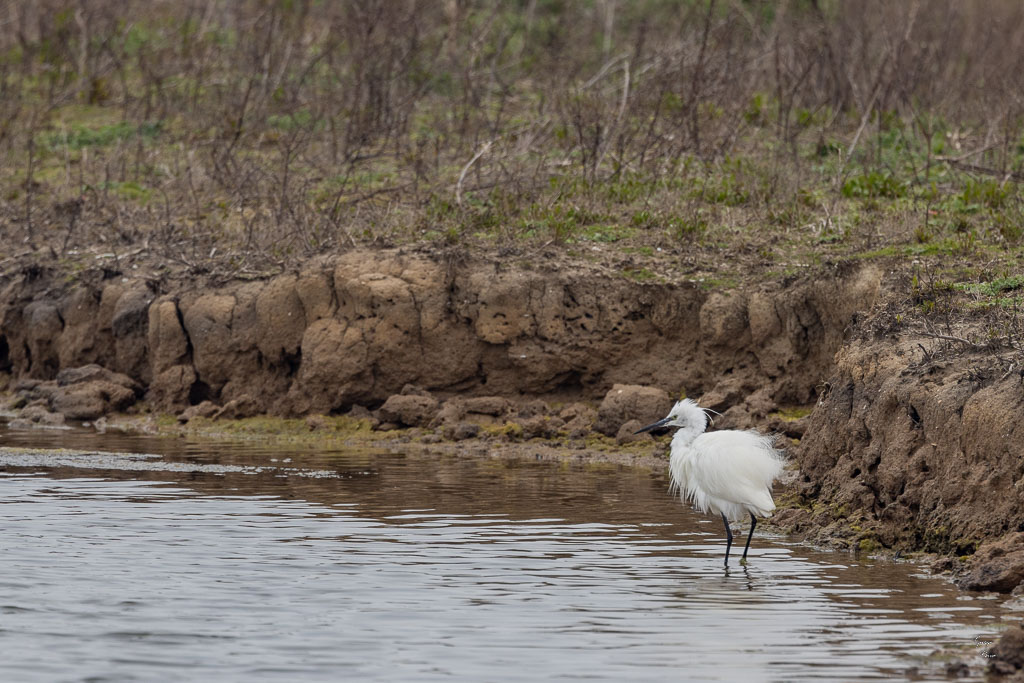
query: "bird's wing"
736, 466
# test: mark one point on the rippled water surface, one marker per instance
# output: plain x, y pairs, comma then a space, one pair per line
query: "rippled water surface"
244, 564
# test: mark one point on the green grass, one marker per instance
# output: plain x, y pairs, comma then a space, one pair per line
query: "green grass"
793, 413
79, 137
130, 191
640, 275
992, 288
874, 184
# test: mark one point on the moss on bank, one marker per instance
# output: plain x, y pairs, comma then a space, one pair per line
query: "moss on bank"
324, 432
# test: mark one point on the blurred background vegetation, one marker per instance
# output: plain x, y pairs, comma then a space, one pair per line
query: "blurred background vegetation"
252, 133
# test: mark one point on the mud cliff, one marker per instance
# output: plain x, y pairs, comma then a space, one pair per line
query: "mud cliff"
356, 328
912, 451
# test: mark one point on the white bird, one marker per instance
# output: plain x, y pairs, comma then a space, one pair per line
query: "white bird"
728, 472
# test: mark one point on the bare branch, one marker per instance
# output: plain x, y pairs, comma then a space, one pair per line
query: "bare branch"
465, 169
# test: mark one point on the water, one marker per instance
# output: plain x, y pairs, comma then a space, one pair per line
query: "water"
233, 563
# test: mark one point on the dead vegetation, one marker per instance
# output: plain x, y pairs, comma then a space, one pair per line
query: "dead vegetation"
701, 136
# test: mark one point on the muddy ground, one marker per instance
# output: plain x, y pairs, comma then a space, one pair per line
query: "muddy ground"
900, 439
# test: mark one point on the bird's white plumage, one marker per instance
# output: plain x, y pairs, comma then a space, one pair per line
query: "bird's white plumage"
728, 472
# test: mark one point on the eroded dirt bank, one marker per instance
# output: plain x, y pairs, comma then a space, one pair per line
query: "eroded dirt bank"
913, 449
908, 446
356, 328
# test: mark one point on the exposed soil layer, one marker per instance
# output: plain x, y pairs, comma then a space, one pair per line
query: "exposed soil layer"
907, 447
912, 449
356, 328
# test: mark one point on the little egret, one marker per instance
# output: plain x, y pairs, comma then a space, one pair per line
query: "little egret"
728, 472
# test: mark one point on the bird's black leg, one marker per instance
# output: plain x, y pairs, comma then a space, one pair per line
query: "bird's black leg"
728, 539
753, 523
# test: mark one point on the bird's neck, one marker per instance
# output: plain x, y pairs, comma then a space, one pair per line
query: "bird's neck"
685, 436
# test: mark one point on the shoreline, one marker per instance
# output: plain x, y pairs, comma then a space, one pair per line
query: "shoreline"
295, 434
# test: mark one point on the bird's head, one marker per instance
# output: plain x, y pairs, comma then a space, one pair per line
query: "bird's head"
685, 414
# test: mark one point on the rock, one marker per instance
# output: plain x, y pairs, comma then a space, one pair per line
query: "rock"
997, 566
763, 319
577, 432
316, 423
131, 313
281, 317
363, 414
413, 390
83, 338
724, 395
540, 426
627, 433
957, 669
129, 323
1008, 654
172, 387
87, 392
39, 415
208, 325
760, 404
205, 409
30, 390
313, 288
512, 431
580, 423
235, 409
409, 410
43, 329
792, 520
723, 320
168, 344
90, 400
460, 431
793, 428
579, 419
495, 406
503, 305
556, 423
27, 384
452, 411
631, 402
430, 439
335, 361
96, 373
358, 412
535, 407
944, 565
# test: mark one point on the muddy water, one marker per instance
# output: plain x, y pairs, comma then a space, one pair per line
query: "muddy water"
247, 563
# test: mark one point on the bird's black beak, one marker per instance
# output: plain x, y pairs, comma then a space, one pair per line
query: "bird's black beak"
654, 425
